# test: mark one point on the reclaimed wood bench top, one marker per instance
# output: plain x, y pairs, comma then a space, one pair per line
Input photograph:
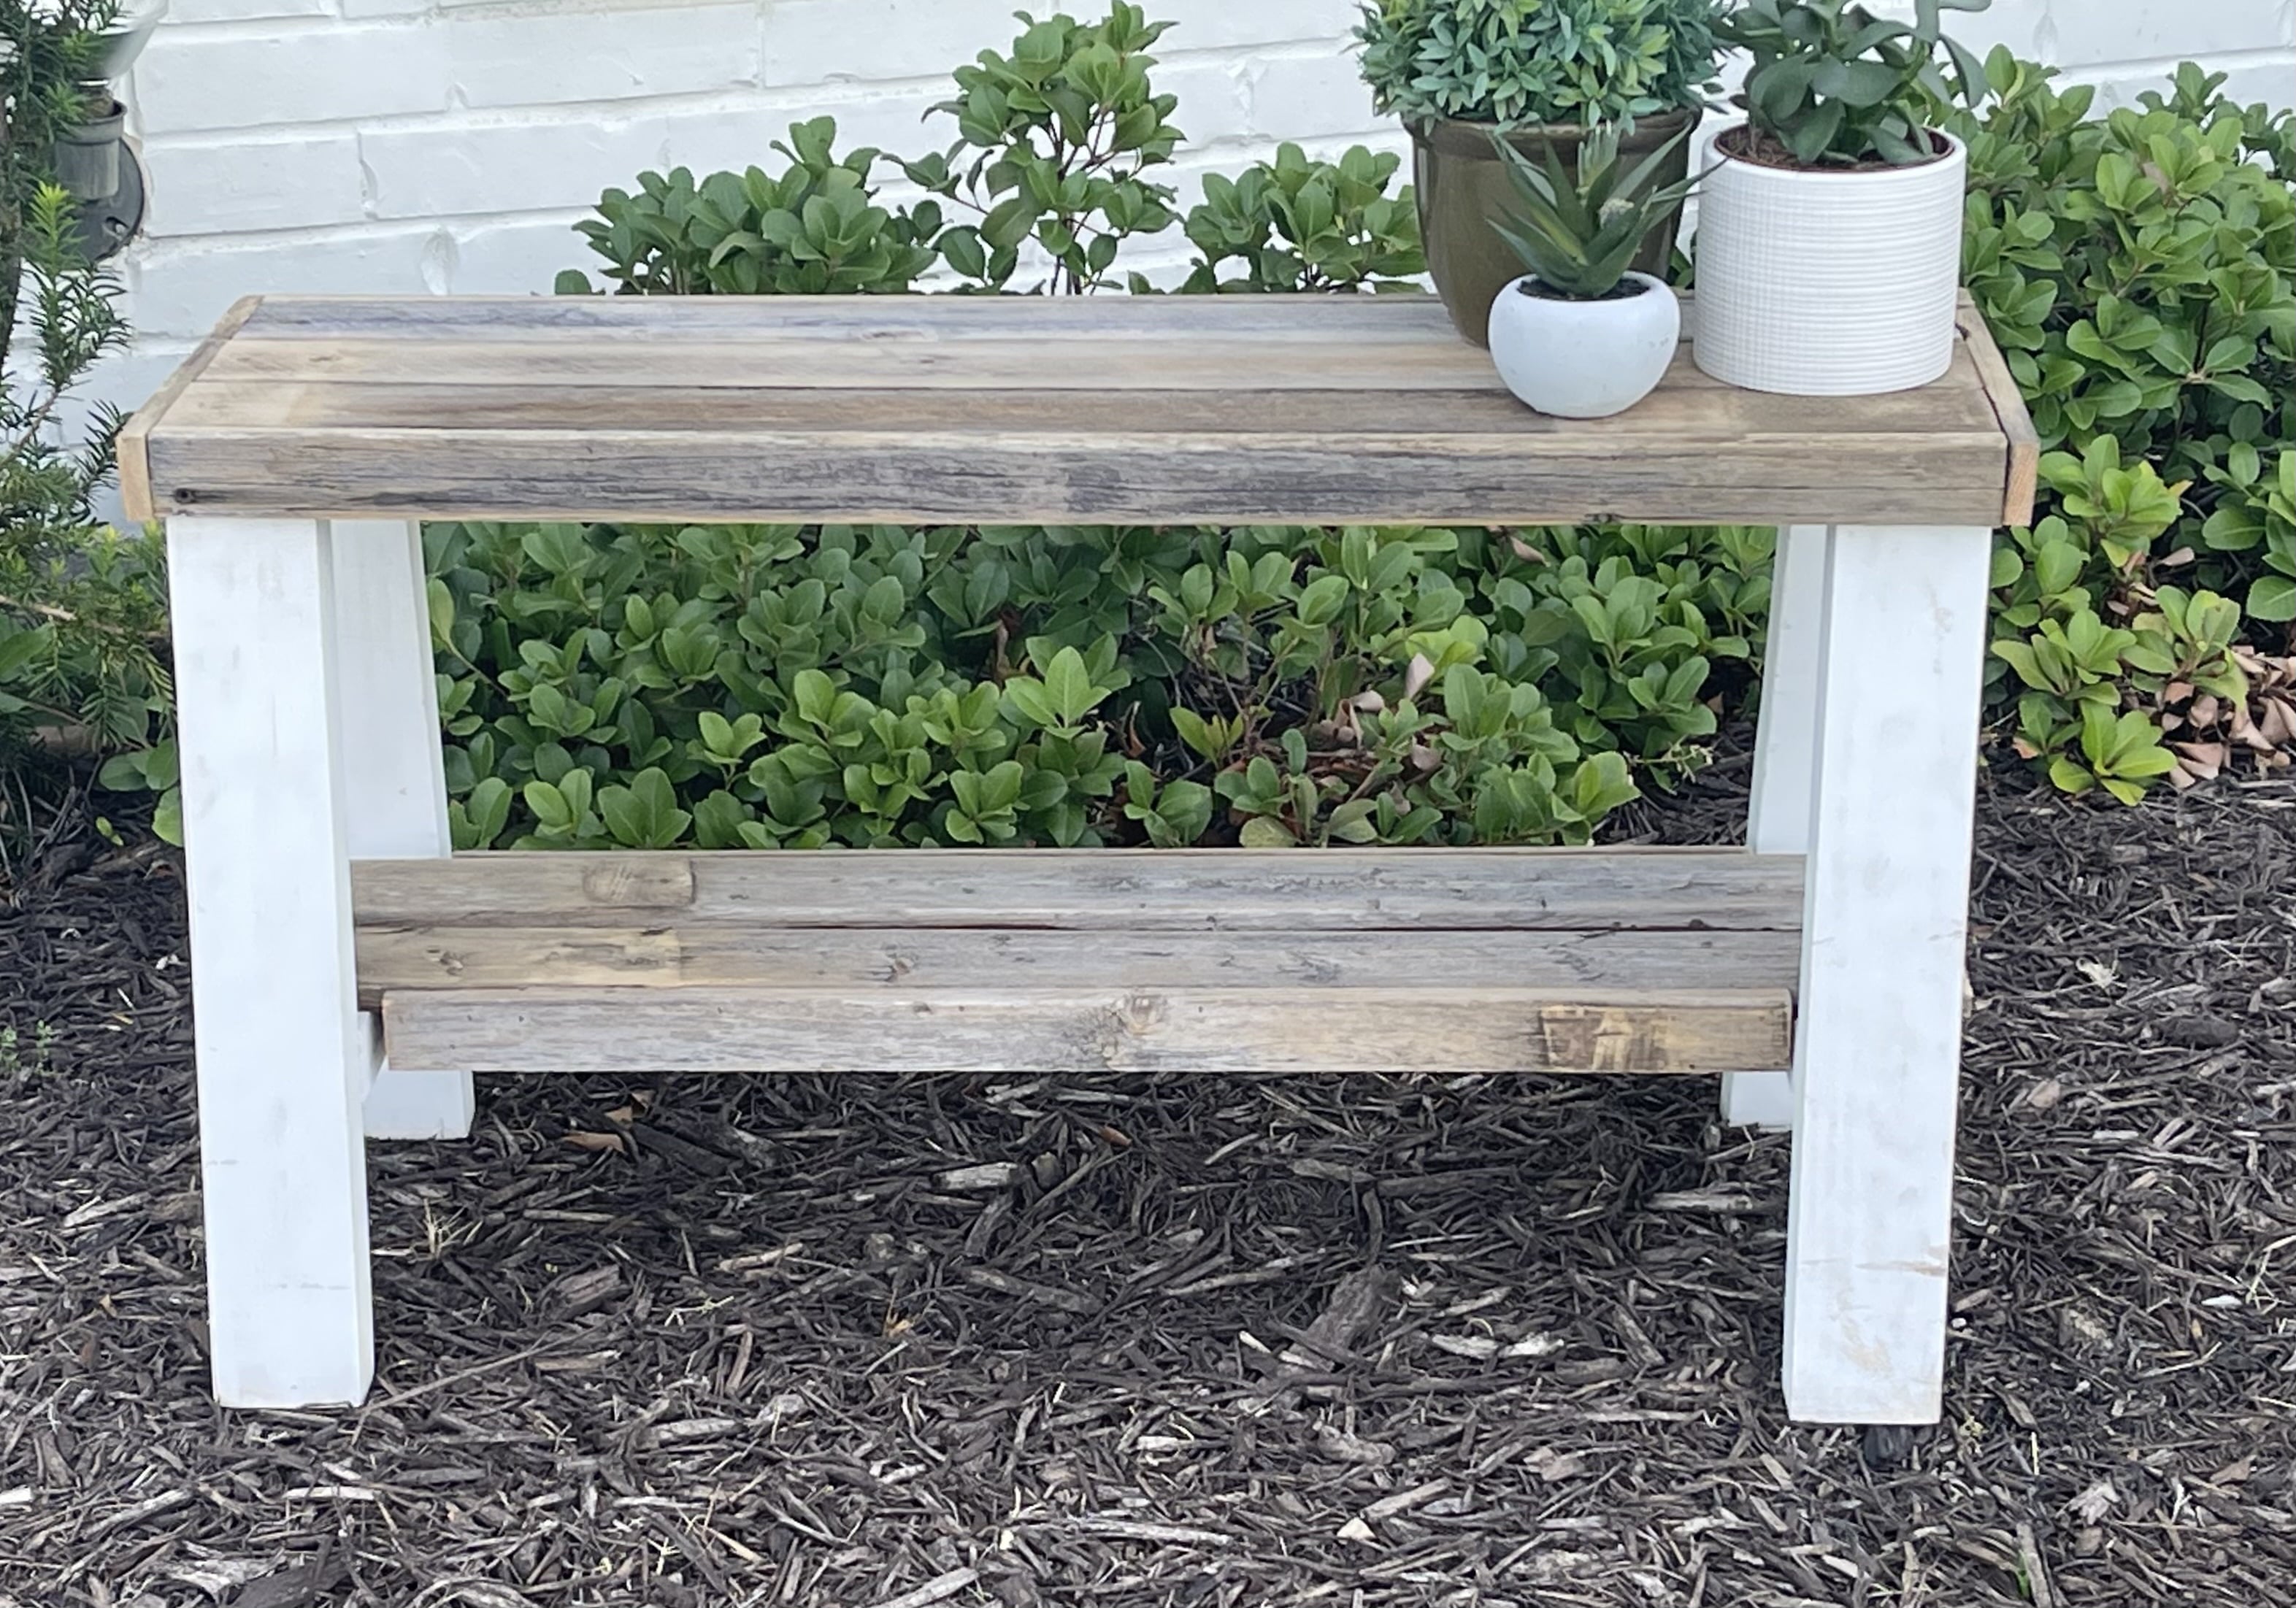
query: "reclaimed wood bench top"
925, 409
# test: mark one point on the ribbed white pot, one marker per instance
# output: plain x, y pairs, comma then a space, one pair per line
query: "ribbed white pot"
1829, 283
1585, 359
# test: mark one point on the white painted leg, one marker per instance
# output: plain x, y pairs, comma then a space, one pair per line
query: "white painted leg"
1878, 1052
1785, 746
282, 1056
397, 786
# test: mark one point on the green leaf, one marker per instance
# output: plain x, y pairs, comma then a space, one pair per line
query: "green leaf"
1198, 734
1068, 686
644, 815
2273, 598
167, 819
1261, 832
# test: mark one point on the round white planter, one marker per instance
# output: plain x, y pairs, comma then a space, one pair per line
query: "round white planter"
1829, 283
1585, 359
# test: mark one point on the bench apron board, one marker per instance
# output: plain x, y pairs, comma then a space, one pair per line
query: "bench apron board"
350, 974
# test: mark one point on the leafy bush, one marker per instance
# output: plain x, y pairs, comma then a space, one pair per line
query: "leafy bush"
779, 687
2140, 272
1836, 87
82, 608
1514, 63
1053, 141
1301, 224
815, 230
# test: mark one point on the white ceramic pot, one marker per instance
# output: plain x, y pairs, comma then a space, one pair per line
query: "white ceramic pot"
1585, 359
1829, 283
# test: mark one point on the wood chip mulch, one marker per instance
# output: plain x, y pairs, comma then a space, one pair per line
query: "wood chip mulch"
1112, 1341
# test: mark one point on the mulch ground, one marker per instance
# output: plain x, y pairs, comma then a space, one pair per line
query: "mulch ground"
1107, 1340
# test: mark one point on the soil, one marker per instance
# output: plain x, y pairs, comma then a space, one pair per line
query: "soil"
1538, 290
1750, 144
1109, 1340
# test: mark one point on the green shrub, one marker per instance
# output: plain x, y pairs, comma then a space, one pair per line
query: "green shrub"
815, 230
1514, 63
1054, 139
765, 686
1296, 224
83, 610
2139, 270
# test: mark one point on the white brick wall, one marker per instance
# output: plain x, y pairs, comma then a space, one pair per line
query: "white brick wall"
446, 145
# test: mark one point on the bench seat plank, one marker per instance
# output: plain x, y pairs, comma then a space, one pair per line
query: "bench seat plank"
1172, 410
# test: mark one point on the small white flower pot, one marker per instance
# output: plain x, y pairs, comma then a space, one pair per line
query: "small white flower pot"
1829, 283
1584, 359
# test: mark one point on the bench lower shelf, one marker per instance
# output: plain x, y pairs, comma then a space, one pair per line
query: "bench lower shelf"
1040, 961
1236, 1030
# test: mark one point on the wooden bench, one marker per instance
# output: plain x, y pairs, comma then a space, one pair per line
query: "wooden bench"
342, 955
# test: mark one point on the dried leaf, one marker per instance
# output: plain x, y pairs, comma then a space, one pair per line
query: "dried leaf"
1482, 1347
2092, 1505
612, 1145
1416, 677
2279, 722
2206, 760
1554, 1467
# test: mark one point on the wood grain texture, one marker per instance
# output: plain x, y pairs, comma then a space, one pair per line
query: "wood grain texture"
1166, 409
131, 452
1136, 1030
393, 957
2008, 405
1101, 889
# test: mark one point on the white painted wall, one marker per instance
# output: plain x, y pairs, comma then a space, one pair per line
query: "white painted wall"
409, 146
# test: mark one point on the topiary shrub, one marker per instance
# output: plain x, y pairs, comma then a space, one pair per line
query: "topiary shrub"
1516, 62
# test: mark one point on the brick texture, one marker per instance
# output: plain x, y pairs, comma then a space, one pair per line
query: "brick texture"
411, 145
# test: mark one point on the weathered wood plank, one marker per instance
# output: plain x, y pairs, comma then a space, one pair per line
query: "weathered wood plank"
1305, 319
1403, 890
237, 404
1241, 363
2008, 404
1139, 1029
132, 450
907, 478
1162, 410
395, 957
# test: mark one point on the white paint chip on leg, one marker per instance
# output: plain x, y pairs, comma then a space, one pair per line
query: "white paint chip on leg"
1878, 1057
393, 764
281, 1055
1785, 748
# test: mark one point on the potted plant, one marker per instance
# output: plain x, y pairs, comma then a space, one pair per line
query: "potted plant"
1829, 235
1542, 73
1582, 334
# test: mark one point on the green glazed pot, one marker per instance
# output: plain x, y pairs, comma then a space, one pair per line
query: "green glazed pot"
1463, 185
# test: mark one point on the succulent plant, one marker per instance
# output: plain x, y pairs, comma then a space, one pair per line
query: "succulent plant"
1838, 87
1577, 233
